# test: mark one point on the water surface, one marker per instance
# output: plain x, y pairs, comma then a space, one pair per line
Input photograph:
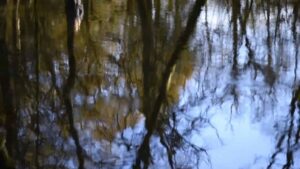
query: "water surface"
149, 84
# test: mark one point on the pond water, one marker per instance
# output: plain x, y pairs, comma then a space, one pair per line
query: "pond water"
173, 84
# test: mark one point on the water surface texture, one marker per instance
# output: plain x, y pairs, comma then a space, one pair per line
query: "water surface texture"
158, 84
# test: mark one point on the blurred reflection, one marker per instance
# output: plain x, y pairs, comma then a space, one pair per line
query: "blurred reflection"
149, 84
8, 125
152, 102
74, 11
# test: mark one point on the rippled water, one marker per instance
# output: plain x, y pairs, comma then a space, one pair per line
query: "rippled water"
149, 84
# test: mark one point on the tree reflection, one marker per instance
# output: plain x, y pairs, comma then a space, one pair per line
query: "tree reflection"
152, 110
73, 24
290, 135
143, 84
8, 151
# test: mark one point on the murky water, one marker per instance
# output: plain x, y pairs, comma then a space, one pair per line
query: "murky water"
149, 84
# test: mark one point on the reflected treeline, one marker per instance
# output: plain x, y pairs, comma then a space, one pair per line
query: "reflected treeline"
102, 84
265, 45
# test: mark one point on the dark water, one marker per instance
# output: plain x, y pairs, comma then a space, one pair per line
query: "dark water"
149, 84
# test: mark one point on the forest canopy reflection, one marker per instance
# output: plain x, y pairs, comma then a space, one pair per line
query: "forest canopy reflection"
149, 84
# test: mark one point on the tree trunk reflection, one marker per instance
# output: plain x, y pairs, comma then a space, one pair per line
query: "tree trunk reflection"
71, 24
144, 154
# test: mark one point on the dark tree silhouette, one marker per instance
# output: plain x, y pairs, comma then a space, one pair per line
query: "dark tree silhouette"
71, 12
